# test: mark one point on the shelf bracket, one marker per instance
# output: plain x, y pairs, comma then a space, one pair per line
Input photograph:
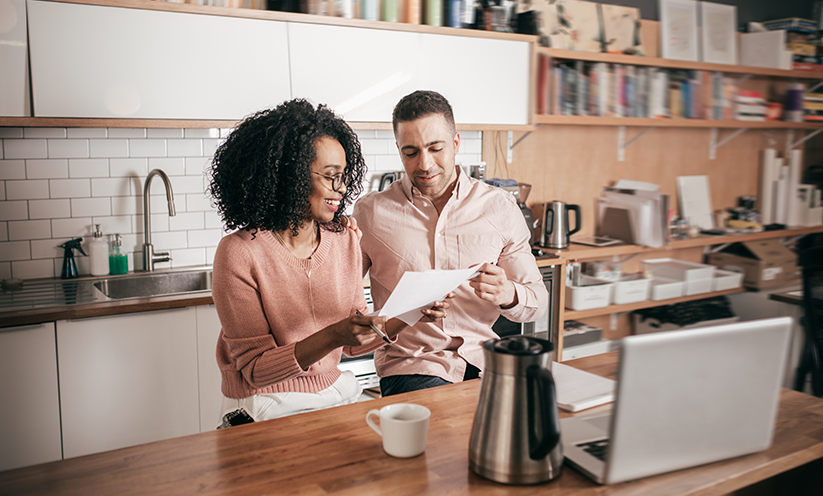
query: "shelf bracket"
714, 145
520, 139
622, 143
818, 85
808, 137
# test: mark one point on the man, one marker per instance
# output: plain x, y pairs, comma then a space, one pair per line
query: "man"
436, 217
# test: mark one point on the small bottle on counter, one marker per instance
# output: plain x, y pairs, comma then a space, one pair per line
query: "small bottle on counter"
98, 253
118, 261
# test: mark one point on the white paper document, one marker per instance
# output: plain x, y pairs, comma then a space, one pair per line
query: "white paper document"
418, 290
578, 390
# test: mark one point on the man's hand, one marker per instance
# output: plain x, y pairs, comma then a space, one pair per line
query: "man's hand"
492, 285
438, 309
352, 224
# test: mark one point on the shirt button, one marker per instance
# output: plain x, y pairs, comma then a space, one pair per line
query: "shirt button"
425, 204
438, 235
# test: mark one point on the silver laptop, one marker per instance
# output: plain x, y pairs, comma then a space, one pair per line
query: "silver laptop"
684, 398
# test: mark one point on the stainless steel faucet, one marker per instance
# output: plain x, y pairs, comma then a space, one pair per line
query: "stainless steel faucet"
149, 256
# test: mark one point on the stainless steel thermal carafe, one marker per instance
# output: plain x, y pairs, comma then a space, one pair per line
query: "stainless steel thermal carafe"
515, 436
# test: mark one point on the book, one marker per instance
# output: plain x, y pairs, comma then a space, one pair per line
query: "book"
579, 390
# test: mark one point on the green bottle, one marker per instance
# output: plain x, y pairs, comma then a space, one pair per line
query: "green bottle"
118, 261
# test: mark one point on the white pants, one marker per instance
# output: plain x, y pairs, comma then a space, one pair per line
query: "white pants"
345, 390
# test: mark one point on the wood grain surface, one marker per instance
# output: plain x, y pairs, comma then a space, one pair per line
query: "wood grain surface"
333, 452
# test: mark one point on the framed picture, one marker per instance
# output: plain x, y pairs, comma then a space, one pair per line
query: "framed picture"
678, 29
719, 40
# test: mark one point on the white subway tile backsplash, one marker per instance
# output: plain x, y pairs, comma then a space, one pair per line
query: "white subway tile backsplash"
87, 132
126, 205
210, 146
174, 166
48, 248
210, 251
44, 132
124, 167
158, 204
384, 134
188, 257
197, 165
378, 147
184, 184
470, 135
4, 233
68, 148
173, 240
29, 229
213, 219
186, 221
88, 167
388, 162
71, 228
90, 207
114, 224
49, 209
108, 148
14, 210
70, 188
32, 269
185, 147
11, 132
204, 238
27, 190
111, 186
147, 148
120, 132
363, 134
471, 146
201, 133
15, 250
164, 133
12, 169
198, 203
25, 148
5, 268
2, 190
47, 169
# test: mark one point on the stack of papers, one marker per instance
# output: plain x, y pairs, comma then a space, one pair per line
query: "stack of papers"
578, 390
634, 212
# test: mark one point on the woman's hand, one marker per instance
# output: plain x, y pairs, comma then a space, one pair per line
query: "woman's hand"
353, 331
438, 310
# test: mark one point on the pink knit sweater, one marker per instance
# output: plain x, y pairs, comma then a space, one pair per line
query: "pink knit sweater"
267, 300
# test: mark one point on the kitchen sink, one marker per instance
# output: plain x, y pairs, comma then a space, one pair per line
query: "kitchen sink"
145, 285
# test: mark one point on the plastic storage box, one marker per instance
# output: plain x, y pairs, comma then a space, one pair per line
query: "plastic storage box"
697, 277
631, 289
592, 293
726, 279
663, 288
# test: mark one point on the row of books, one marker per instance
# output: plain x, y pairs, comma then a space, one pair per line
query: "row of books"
616, 90
813, 107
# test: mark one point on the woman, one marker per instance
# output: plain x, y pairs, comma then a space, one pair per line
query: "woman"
288, 283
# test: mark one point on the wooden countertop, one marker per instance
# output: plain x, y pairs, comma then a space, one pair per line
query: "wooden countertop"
333, 452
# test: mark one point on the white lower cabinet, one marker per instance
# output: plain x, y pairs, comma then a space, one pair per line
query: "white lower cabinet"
30, 415
127, 379
208, 330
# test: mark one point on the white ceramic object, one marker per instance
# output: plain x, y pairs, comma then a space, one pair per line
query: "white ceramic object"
403, 427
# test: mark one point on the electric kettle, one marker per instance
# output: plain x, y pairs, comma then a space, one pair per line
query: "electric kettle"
555, 233
515, 436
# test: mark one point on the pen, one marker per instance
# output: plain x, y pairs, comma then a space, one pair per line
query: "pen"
375, 329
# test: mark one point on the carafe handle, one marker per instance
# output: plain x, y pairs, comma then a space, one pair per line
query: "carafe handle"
548, 220
576, 209
542, 398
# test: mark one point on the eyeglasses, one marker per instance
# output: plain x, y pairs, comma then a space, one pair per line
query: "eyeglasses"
336, 180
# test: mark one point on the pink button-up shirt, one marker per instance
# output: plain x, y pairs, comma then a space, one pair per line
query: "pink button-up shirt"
403, 232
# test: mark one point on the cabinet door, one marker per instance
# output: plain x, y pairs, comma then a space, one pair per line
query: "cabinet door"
127, 379
485, 80
98, 61
14, 78
360, 73
30, 416
210, 380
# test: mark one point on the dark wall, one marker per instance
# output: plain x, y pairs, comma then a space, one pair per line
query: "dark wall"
747, 10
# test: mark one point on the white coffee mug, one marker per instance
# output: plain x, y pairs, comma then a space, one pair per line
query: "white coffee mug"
403, 427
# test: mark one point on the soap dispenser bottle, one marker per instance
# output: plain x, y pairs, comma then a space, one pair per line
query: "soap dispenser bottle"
99, 253
118, 261
69, 266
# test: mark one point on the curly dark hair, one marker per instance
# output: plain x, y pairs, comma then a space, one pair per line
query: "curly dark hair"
419, 104
260, 177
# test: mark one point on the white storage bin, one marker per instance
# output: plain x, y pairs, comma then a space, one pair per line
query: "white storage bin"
592, 293
696, 276
725, 279
663, 288
631, 289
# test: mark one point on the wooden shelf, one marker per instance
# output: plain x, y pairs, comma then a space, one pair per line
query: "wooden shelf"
577, 120
614, 58
630, 307
583, 252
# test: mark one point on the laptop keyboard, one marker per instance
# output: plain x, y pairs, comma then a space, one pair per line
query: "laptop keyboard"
596, 448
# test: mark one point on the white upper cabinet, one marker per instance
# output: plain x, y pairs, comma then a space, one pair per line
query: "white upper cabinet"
14, 75
360, 73
485, 80
110, 62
